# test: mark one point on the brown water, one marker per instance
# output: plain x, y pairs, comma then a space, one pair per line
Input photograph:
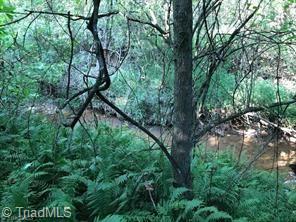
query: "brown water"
249, 143
253, 146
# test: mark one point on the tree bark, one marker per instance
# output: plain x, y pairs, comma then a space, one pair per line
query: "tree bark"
182, 142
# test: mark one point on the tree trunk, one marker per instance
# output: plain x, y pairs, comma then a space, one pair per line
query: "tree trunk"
183, 108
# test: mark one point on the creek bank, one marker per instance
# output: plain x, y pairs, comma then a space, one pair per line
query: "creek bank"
251, 141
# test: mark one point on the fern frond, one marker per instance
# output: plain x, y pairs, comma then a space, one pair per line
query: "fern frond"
112, 218
218, 216
177, 193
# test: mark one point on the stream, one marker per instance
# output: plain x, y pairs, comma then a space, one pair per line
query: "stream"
248, 141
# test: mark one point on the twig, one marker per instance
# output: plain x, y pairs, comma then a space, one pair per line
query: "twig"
146, 131
15, 21
78, 17
71, 55
155, 26
238, 114
74, 96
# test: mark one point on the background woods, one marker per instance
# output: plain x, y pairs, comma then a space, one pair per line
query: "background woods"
178, 110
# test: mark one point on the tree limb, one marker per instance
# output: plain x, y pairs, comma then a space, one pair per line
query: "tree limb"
76, 17
211, 125
15, 21
103, 80
156, 26
162, 32
143, 129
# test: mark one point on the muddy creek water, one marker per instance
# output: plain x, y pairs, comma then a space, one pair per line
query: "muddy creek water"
247, 142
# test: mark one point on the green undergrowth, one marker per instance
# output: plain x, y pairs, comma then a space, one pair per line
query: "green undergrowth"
108, 174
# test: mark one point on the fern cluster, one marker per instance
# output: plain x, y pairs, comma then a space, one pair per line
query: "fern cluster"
109, 174
246, 195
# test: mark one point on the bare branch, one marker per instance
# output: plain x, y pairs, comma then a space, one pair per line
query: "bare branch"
15, 21
162, 32
211, 125
71, 55
65, 15
156, 26
146, 131
75, 17
107, 14
103, 80
75, 96
237, 31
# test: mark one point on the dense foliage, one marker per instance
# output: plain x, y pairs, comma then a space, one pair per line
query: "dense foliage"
43, 51
107, 173
114, 177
